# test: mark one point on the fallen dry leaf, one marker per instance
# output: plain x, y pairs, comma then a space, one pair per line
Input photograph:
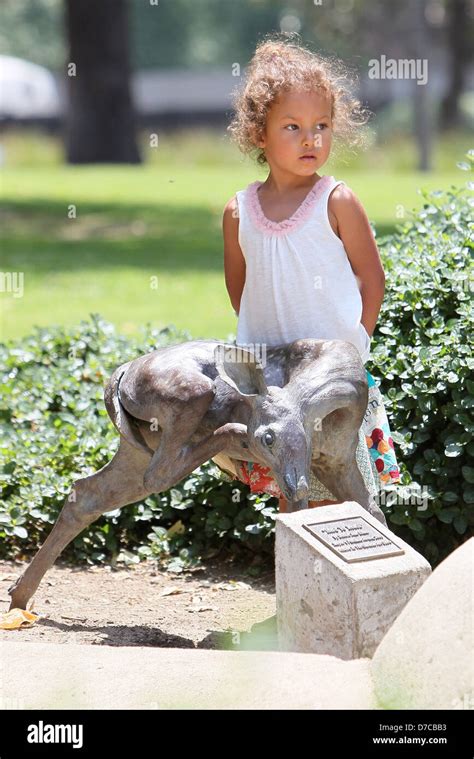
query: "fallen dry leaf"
176, 529
226, 586
243, 585
16, 618
172, 590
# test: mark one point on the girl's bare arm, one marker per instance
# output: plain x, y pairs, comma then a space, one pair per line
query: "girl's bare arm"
352, 226
234, 261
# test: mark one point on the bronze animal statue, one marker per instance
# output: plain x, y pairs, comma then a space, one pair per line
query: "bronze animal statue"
179, 406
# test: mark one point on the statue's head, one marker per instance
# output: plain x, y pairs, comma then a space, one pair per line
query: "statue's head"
276, 431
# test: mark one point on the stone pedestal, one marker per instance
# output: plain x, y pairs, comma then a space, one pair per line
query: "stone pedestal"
342, 579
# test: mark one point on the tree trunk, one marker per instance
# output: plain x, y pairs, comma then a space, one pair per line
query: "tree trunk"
100, 120
421, 103
458, 50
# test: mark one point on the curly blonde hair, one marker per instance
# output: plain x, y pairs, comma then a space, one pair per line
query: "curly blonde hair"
279, 65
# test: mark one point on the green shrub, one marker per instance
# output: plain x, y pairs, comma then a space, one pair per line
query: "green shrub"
423, 356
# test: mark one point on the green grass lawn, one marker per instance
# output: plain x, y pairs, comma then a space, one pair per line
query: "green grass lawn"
146, 243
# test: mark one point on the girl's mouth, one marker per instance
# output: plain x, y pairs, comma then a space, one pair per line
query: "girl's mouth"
307, 157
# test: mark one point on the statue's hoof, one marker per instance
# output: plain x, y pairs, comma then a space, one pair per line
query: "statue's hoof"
298, 505
18, 603
380, 516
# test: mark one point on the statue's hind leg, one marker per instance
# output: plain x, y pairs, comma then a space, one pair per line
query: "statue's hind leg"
117, 484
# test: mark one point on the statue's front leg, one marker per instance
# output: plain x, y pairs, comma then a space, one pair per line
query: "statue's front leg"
297, 505
171, 464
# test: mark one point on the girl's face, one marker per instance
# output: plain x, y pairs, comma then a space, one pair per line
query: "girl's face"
298, 123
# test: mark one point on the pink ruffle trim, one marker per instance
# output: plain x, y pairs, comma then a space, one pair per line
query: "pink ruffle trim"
286, 225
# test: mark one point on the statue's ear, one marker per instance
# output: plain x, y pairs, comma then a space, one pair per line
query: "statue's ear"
240, 369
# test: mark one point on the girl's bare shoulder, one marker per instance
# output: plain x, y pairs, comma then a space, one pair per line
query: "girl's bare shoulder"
230, 216
231, 207
344, 209
343, 199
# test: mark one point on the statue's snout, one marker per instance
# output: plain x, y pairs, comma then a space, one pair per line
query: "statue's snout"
296, 488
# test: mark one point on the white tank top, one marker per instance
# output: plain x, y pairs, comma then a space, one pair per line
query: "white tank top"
299, 281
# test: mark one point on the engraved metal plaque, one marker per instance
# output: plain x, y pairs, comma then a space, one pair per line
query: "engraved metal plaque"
354, 539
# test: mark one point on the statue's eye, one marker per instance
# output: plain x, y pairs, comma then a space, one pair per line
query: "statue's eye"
269, 438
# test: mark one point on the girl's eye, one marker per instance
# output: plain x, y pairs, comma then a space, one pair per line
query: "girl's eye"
323, 126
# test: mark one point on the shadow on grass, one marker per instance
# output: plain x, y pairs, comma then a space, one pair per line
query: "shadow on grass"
105, 236
112, 235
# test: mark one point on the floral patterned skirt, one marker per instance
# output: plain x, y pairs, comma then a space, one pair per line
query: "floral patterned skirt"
375, 456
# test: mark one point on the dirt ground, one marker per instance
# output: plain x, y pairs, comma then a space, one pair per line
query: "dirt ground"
216, 606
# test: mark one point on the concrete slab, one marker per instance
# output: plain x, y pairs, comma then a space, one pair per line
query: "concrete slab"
55, 676
426, 660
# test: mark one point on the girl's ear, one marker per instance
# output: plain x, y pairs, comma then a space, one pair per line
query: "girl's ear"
257, 138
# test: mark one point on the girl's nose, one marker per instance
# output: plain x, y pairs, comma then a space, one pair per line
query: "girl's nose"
309, 138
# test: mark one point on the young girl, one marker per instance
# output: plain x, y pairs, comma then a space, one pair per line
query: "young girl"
299, 255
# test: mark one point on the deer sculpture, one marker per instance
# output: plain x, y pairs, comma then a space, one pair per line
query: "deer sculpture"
179, 406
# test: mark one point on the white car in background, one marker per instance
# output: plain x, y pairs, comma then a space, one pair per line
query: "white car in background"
27, 91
